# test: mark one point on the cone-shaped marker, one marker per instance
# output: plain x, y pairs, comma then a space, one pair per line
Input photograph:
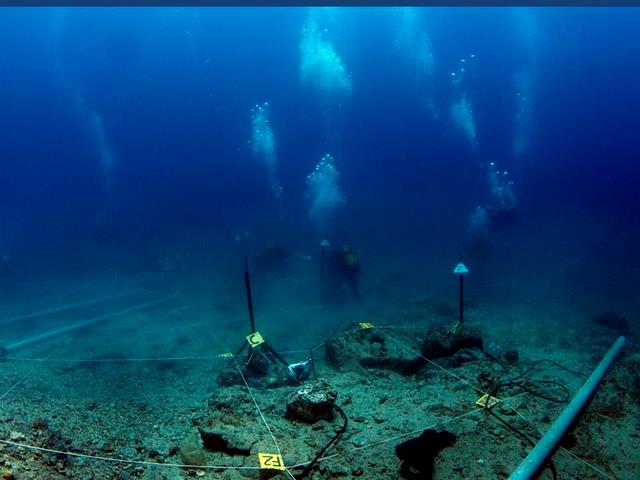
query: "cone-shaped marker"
461, 270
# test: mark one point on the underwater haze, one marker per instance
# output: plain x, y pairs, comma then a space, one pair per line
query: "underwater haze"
128, 130
354, 156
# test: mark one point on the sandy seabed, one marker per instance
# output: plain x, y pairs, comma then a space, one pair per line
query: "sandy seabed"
128, 397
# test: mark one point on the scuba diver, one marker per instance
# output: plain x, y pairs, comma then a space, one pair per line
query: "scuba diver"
500, 212
502, 209
340, 266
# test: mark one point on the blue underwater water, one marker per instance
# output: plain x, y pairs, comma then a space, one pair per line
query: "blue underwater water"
125, 129
151, 149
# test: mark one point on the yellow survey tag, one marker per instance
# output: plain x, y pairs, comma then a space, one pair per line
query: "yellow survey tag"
255, 339
226, 355
272, 461
486, 401
365, 325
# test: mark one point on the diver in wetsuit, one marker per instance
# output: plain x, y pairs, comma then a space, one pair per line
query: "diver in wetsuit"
499, 213
502, 208
341, 266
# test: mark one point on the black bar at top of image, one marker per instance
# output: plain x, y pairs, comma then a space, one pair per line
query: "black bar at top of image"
328, 3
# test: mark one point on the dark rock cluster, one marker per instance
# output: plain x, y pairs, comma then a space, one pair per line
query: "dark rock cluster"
225, 443
408, 351
367, 348
612, 321
440, 342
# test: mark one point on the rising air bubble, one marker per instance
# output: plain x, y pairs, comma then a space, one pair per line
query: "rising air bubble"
107, 160
324, 192
321, 67
462, 115
263, 143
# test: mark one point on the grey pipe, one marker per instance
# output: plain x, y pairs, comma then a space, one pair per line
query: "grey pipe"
12, 347
68, 306
546, 446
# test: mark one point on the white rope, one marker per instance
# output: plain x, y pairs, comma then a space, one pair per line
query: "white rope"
529, 422
258, 409
403, 435
103, 458
20, 380
264, 420
110, 360
590, 465
448, 372
26, 375
123, 460
255, 402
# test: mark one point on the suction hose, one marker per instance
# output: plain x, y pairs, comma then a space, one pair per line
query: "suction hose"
546, 446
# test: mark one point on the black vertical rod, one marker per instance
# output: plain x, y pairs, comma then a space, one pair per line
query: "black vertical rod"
461, 298
275, 354
247, 285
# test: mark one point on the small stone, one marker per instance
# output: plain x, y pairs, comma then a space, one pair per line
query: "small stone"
39, 423
153, 453
339, 470
191, 451
173, 450
15, 436
493, 350
379, 418
358, 442
511, 356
